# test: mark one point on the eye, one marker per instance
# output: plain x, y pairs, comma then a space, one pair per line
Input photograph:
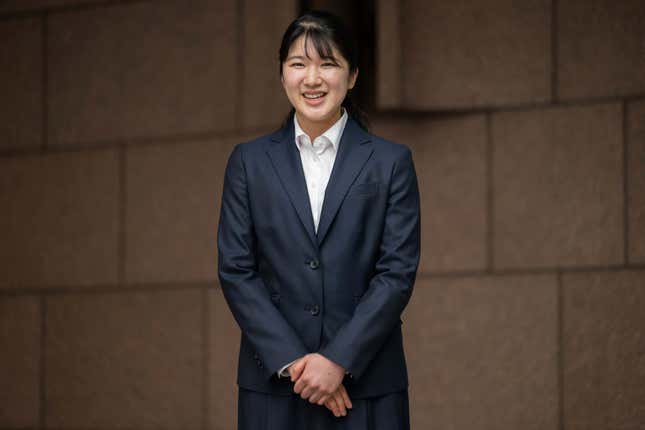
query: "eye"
328, 64
297, 65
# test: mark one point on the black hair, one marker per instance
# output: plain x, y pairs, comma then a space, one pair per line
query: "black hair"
326, 31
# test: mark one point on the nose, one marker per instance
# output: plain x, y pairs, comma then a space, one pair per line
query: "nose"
312, 76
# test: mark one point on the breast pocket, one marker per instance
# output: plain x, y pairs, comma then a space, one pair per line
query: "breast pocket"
363, 191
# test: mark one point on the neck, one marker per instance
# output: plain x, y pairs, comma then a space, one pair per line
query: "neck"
315, 129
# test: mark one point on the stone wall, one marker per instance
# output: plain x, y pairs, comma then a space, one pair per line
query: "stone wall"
526, 125
526, 121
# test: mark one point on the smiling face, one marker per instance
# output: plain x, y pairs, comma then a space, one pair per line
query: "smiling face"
315, 86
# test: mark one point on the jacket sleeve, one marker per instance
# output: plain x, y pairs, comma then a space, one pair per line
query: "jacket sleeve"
274, 340
389, 290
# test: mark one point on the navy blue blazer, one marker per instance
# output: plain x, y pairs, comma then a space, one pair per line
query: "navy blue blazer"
339, 292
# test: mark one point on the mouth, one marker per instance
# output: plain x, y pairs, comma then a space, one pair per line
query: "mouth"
314, 98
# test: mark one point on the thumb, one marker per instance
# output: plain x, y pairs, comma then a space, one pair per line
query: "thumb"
295, 370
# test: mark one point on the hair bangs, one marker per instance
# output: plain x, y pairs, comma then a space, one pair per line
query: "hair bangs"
321, 42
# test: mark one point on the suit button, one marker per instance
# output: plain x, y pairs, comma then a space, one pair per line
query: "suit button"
315, 310
313, 264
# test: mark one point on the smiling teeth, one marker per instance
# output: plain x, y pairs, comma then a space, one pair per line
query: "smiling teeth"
317, 96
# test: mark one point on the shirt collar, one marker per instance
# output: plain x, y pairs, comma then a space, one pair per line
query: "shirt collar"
332, 134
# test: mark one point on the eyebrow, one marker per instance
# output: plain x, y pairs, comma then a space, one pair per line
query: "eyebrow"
300, 57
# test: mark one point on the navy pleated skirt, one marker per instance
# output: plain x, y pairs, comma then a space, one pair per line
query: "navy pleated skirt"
260, 411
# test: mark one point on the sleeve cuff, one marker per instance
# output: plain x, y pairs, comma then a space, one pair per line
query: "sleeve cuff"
284, 370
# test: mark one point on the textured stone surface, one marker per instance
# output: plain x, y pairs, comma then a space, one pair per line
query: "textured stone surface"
450, 161
604, 346
636, 181
463, 53
19, 362
601, 48
125, 360
59, 219
224, 338
173, 200
20, 83
558, 187
142, 69
264, 101
482, 353
27, 5
389, 69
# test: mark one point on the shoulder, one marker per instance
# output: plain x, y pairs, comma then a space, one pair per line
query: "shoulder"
387, 148
255, 146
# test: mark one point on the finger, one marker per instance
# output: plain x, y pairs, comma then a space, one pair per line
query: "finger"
315, 396
295, 370
306, 392
341, 404
322, 400
299, 386
330, 404
333, 405
346, 400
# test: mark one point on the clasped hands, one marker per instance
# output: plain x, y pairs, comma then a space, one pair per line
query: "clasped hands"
319, 380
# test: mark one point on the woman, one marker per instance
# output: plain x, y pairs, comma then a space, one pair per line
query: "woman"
318, 251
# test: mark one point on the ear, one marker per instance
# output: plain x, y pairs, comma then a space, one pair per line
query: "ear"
352, 80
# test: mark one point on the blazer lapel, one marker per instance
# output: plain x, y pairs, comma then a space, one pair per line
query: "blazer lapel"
287, 164
352, 155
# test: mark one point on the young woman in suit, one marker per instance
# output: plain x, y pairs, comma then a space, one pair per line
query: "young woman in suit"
318, 251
